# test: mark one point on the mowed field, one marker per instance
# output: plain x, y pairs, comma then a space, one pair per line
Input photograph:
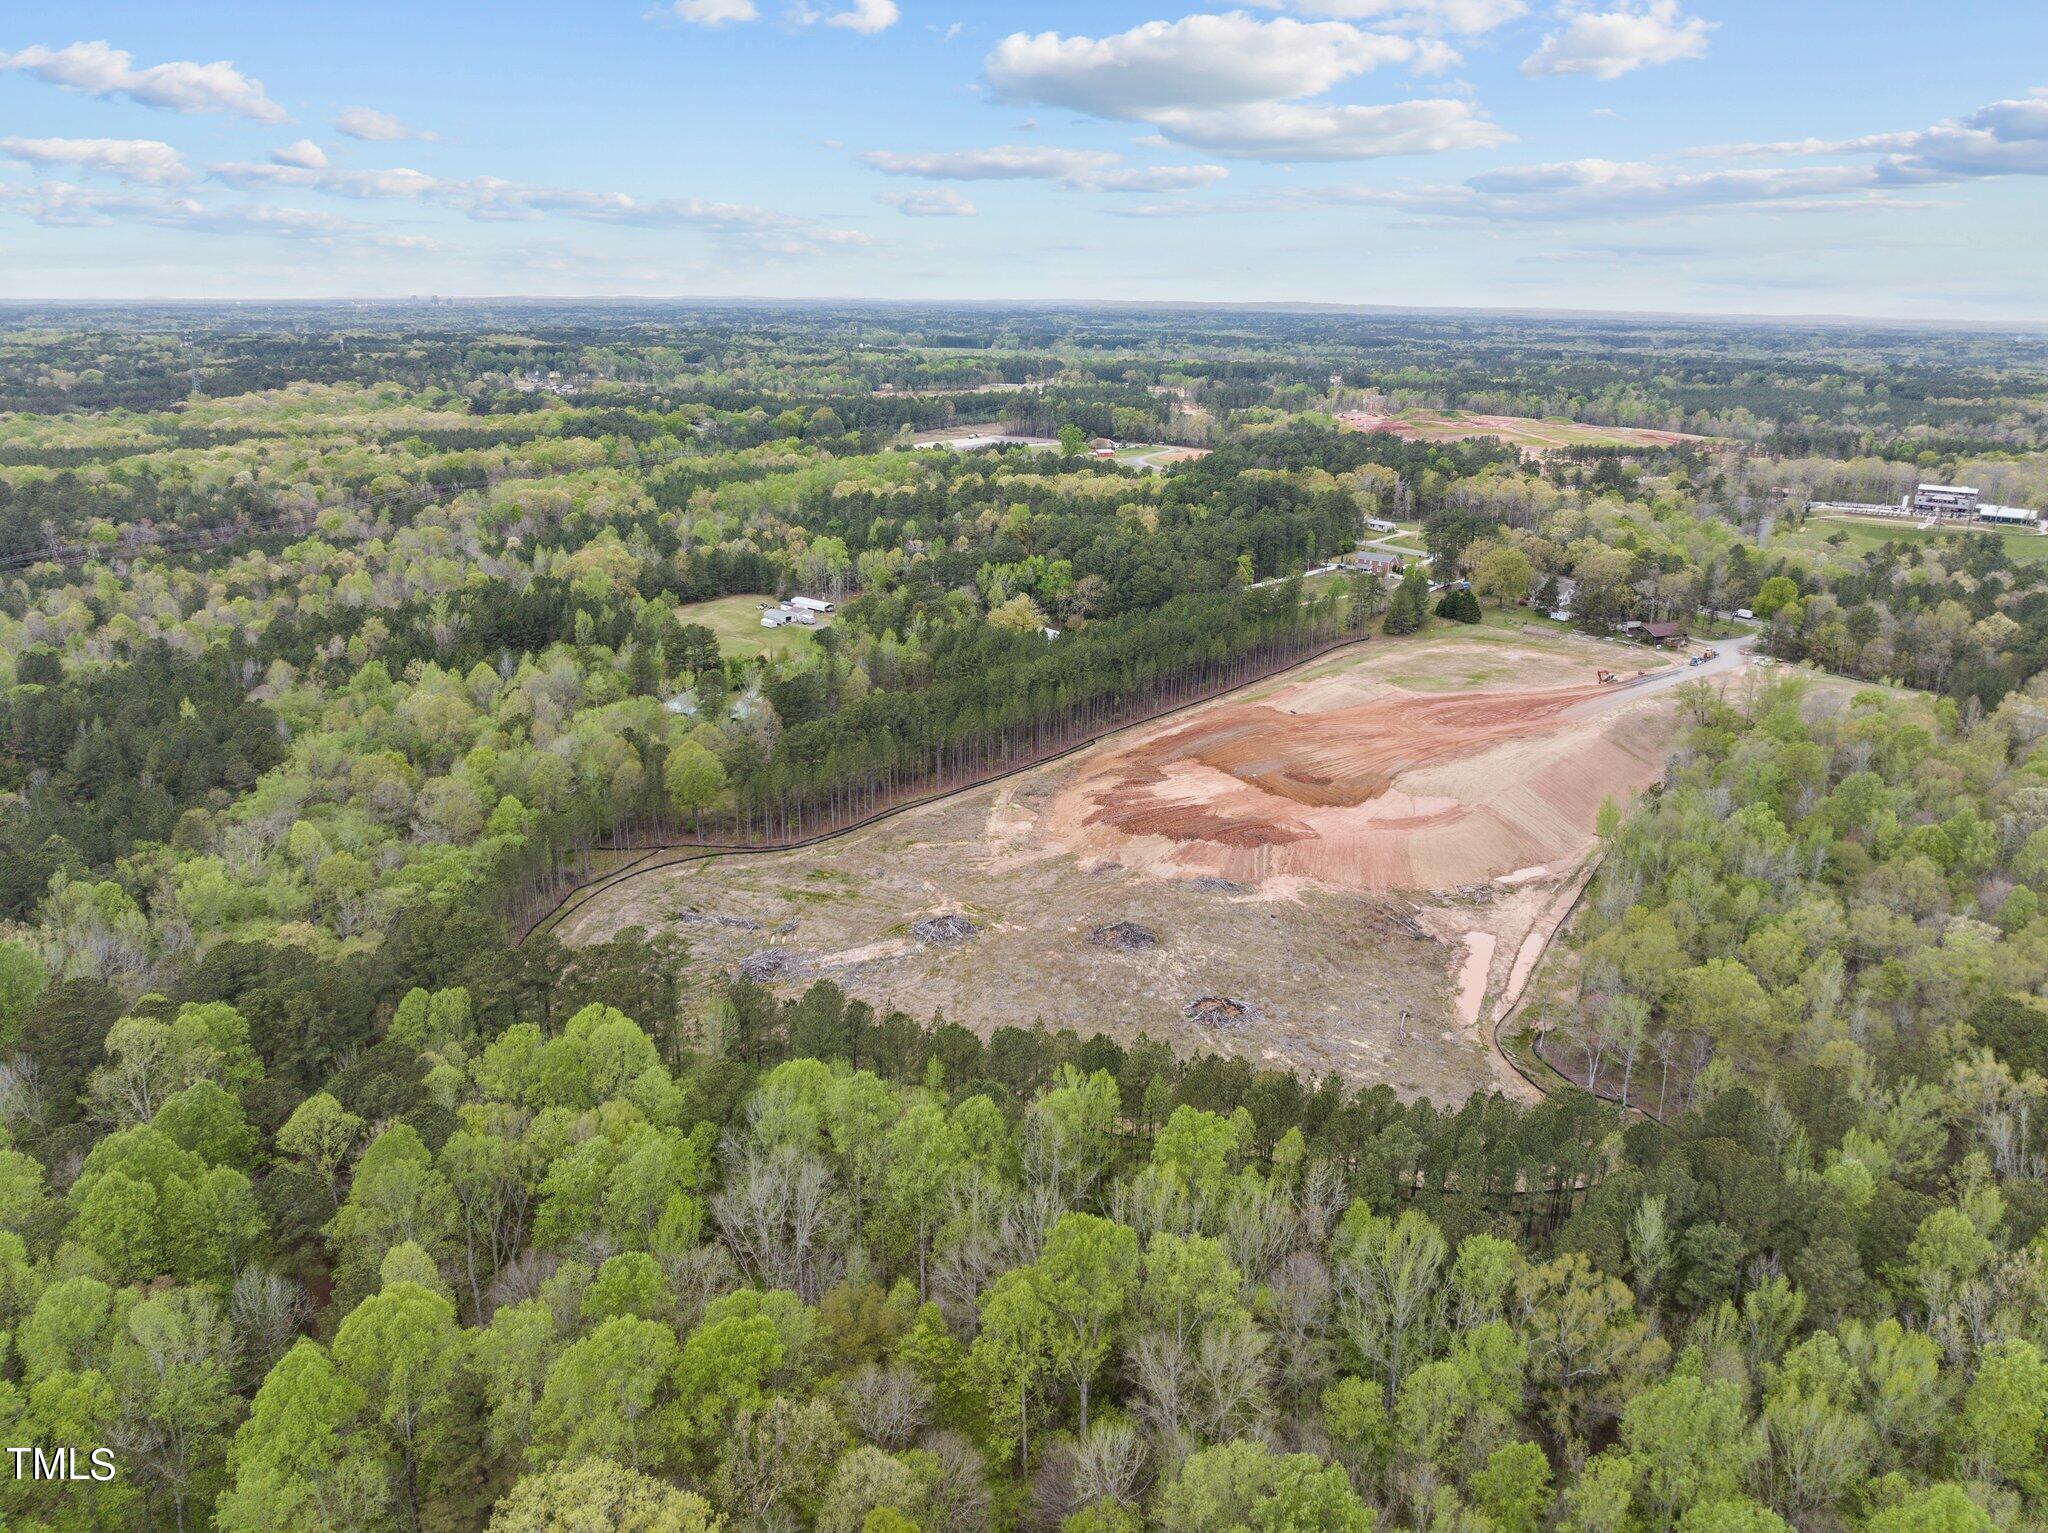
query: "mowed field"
1860, 535
736, 620
1534, 437
1344, 869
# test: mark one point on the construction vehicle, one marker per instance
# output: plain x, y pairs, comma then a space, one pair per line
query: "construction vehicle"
1608, 678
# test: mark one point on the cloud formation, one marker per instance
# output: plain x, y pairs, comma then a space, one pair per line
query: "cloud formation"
375, 127
490, 199
715, 13
305, 153
2006, 138
61, 204
935, 202
1465, 17
1609, 44
866, 17
147, 161
1234, 85
1289, 131
1197, 63
98, 69
1081, 170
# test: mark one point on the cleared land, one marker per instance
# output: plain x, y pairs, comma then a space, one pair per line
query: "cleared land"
1534, 437
1334, 871
971, 438
736, 620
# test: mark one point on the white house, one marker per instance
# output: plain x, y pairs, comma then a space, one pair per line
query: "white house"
809, 604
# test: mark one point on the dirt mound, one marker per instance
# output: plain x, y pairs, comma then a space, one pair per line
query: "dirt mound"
1125, 937
942, 931
1220, 1013
775, 963
1406, 790
716, 922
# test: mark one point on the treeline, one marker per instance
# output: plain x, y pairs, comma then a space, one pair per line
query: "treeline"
309, 1243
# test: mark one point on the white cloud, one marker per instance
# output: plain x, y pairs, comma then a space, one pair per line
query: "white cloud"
1156, 178
373, 126
180, 86
1197, 63
1609, 44
1467, 17
305, 153
58, 204
1291, 131
866, 17
1606, 188
1233, 84
1004, 162
2006, 138
715, 13
1081, 170
1576, 191
937, 202
491, 199
144, 160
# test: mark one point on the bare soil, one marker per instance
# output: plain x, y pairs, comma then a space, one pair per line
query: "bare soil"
1337, 872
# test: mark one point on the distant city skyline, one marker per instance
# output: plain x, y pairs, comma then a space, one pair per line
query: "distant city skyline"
1730, 157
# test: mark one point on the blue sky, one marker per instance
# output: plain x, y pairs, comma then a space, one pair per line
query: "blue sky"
1713, 156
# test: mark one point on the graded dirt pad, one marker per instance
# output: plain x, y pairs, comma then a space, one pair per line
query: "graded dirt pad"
1404, 791
1335, 872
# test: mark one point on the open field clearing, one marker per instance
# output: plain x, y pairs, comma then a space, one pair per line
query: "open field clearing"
1279, 875
737, 622
1154, 455
1534, 437
1861, 535
972, 438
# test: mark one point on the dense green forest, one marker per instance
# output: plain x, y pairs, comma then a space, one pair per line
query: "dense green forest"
336, 642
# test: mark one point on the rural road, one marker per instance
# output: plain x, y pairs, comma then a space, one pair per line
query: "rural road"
1733, 655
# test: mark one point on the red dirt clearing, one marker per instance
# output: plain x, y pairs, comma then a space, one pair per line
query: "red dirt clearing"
1404, 791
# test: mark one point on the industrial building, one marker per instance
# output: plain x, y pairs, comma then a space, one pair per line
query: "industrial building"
1948, 501
1931, 503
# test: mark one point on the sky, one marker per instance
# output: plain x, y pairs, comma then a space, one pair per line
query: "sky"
1886, 159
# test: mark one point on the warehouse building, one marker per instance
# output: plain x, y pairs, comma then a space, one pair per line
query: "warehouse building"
1948, 501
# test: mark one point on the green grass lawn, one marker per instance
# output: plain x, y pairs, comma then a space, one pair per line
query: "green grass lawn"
1862, 535
736, 620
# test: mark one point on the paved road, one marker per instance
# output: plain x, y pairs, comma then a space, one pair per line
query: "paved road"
1732, 655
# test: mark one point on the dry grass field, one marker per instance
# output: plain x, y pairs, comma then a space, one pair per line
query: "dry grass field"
1534, 437
1337, 870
